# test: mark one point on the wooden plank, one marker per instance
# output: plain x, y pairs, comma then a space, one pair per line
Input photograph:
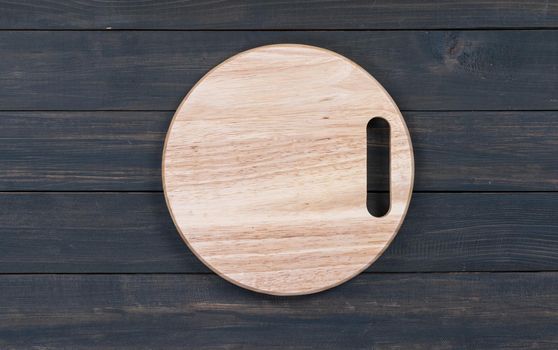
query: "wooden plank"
121, 151
138, 70
133, 232
383, 311
472, 151
90, 232
284, 14
77, 151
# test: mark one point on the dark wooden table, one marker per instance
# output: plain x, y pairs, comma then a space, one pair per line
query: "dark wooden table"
89, 258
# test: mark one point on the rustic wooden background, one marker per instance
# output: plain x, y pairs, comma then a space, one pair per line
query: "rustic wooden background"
89, 258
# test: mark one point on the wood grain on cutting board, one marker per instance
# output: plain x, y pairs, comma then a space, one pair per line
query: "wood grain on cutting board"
264, 169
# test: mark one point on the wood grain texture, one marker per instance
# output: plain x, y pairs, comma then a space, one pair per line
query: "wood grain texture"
121, 151
283, 14
264, 169
133, 233
77, 151
142, 70
383, 311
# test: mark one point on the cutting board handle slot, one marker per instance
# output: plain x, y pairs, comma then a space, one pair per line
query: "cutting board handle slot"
378, 166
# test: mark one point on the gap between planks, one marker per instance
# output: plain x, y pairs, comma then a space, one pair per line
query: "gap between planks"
370, 192
416, 29
209, 273
172, 110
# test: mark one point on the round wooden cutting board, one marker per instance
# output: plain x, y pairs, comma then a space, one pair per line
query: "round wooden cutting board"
264, 169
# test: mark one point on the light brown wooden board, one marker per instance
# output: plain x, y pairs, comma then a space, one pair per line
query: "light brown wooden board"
264, 169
